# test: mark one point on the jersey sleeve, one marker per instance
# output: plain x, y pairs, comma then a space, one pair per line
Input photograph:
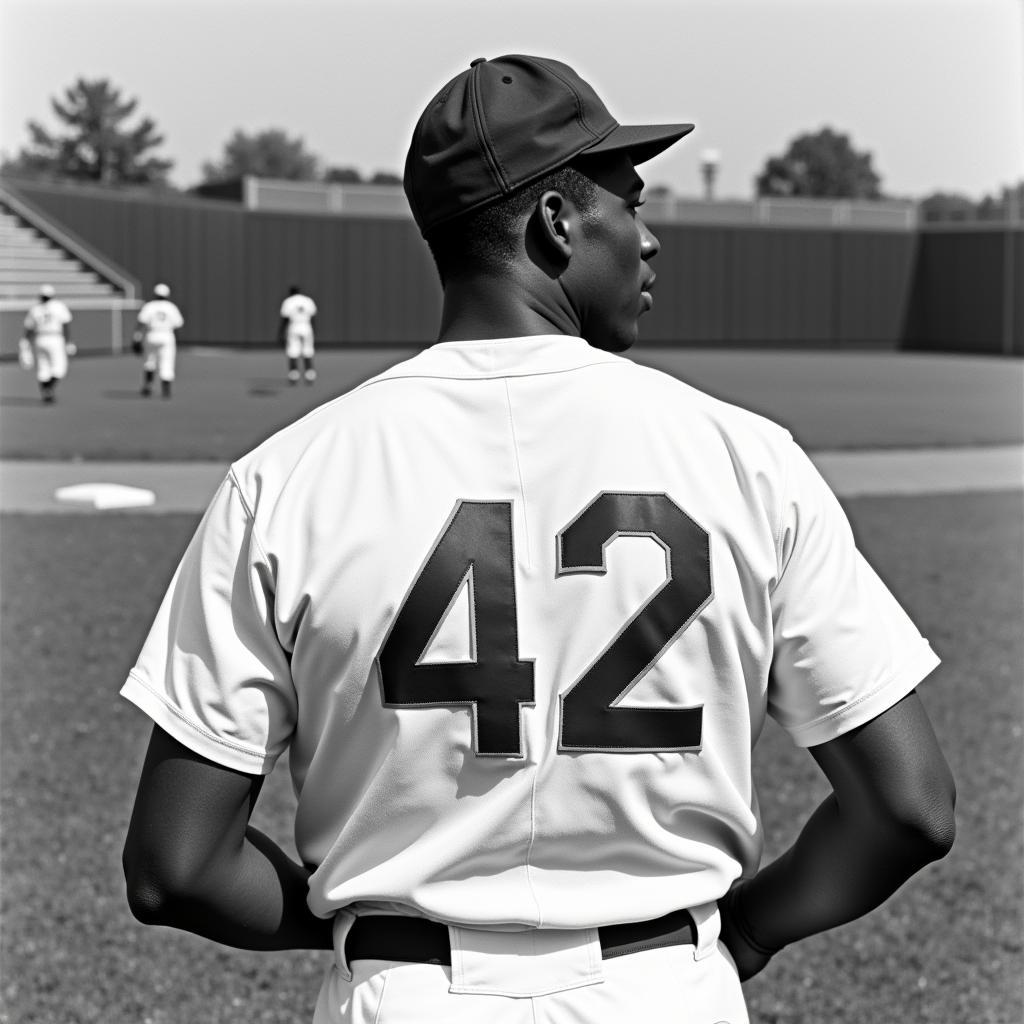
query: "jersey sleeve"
65, 314
844, 648
212, 671
176, 319
286, 310
312, 308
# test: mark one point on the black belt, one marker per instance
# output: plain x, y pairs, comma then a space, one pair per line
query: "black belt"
416, 940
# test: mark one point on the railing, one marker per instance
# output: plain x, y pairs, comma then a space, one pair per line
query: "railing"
896, 215
323, 197
120, 279
319, 198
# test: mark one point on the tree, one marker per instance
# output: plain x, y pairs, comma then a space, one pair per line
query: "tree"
385, 178
98, 144
1007, 205
343, 175
947, 206
266, 154
823, 164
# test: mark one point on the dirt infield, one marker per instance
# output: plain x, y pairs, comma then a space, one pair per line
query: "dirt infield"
38, 485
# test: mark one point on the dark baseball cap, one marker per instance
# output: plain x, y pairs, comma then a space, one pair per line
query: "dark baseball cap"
506, 122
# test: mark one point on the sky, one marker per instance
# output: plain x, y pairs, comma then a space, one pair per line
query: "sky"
933, 89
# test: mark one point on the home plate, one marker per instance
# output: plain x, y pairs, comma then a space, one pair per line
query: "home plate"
105, 496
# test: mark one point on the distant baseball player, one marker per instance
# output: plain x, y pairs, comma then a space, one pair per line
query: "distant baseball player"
48, 342
517, 610
155, 339
298, 313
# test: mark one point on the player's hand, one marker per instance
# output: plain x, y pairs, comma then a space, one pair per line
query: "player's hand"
749, 959
26, 355
71, 348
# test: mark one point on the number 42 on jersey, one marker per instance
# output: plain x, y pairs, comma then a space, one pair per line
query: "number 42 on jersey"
475, 550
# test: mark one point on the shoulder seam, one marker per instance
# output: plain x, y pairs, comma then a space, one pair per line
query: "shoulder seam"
249, 511
783, 495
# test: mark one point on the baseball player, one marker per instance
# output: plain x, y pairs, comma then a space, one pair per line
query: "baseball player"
154, 339
517, 609
47, 343
298, 312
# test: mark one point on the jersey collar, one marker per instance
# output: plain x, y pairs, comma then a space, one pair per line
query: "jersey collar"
502, 357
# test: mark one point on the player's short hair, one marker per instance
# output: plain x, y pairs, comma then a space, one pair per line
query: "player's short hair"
295, 290
486, 238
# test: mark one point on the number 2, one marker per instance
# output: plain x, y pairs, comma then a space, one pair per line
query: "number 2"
475, 551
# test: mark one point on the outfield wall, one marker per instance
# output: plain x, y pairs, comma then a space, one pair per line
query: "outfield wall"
373, 279
968, 293
229, 269
788, 287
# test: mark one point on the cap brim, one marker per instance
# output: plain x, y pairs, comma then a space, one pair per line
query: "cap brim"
641, 141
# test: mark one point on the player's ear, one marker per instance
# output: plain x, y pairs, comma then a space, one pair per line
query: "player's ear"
553, 225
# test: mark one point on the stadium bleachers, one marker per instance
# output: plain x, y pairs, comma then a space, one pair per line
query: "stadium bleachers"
28, 259
35, 250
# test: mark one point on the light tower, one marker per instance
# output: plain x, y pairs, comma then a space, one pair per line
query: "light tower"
710, 159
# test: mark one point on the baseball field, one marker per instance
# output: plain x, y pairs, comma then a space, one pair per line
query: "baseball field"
79, 589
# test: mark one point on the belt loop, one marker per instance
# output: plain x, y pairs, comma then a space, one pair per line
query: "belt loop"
709, 924
343, 921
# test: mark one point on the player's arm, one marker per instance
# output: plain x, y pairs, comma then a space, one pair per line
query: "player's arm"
192, 860
890, 814
282, 329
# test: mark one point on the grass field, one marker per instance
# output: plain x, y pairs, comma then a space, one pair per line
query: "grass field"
78, 594
226, 402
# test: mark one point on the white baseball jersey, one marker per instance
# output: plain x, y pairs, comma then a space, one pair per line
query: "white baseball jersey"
298, 310
48, 319
517, 610
161, 318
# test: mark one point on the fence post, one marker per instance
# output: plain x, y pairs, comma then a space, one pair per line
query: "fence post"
116, 339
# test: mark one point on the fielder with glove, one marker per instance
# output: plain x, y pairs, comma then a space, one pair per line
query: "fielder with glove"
48, 337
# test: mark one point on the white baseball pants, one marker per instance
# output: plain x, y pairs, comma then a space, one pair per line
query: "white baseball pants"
572, 985
299, 342
159, 353
51, 357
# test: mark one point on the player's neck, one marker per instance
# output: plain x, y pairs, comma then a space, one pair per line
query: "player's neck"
480, 308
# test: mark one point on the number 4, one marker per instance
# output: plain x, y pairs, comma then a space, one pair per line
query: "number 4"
475, 549
476, 544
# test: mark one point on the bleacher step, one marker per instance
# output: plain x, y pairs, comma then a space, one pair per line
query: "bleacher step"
28, 259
